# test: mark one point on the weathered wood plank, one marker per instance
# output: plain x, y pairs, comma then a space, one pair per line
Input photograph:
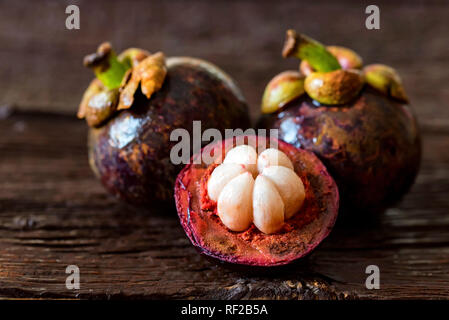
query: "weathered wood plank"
54, 213
40, 61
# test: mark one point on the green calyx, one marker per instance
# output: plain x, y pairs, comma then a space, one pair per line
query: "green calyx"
118, 78
386, 80
331, 75
106, 66
98, 103
335, 87
282, 89
132, 56
305, 48
347, 58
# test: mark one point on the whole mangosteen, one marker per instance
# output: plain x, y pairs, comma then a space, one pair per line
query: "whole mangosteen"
253, 200
356, 119
133, 106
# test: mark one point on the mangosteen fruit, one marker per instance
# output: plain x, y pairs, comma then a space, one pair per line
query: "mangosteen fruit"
254, 200
356, 119
133, 106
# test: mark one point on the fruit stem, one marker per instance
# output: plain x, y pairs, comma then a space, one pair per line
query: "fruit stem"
305, 48
107, 68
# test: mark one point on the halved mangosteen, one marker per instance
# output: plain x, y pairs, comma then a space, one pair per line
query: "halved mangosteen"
256, 201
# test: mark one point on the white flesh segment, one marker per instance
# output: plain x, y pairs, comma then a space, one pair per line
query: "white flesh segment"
273, 157
234, 205
289, 186
221, 176
245, 155
268, 208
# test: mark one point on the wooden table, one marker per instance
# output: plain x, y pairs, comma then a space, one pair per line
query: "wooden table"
54, 213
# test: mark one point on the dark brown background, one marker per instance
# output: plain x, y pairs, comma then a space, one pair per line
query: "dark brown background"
54, 213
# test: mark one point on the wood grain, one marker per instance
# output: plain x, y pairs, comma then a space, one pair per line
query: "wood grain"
40, 60
53, 213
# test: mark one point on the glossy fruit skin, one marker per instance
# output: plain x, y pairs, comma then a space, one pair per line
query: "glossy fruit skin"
300, 235
371, 146
130, 154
